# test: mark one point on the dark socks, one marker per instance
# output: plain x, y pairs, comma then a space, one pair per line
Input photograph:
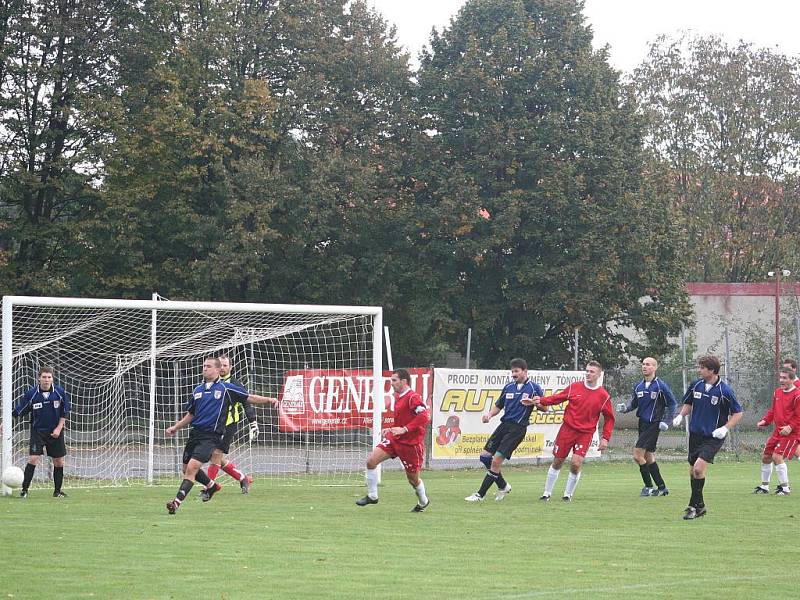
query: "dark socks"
645, 471
656, 473
29, 469
58, 478
501, 482
183, 491
488, 481
202, 478
697, 492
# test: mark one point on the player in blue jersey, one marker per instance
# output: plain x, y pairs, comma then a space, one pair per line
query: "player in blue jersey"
237, 411
655, 405
206, 412
516, 402
715, 410
49, 405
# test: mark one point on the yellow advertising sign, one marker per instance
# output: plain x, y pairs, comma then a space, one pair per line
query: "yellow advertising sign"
462, 396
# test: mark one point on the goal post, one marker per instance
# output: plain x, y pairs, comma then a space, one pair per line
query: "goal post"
130, 366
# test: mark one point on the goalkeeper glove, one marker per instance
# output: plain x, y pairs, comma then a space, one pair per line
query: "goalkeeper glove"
663, 426
677, 420
253, 430
622, 407
720, 432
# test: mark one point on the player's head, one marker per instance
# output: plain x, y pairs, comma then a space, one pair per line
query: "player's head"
211, 368
401, 380
593, 371
649, 366
791, 363
225, 365
519, 369
708, 366
786, 377
46, 378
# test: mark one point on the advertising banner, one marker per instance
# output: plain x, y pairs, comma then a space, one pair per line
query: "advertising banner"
462, 396
320, 400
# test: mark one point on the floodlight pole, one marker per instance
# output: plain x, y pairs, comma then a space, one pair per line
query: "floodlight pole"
777, 274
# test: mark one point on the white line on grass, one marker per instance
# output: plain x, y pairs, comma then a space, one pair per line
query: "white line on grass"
622, 588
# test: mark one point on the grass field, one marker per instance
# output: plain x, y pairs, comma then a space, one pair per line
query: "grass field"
313, 542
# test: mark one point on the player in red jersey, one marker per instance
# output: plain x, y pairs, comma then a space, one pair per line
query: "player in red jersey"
783, 442
587, 401
792, 364
406, 441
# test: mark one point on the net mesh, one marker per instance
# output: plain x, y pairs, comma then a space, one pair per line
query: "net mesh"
103, 359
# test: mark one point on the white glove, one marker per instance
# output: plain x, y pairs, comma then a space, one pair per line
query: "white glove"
622, 407
720, 432
676, 422
253, 430
663, 426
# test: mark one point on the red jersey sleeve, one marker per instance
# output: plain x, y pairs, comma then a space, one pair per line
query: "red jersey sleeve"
794, 417
416, 426
608, 418
565, 394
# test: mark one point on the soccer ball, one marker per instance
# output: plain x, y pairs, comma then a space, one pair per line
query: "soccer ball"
13, 477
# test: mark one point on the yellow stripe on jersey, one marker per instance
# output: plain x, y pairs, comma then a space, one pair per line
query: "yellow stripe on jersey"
234, 410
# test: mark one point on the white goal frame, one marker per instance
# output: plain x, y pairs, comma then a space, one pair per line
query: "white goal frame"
156, 306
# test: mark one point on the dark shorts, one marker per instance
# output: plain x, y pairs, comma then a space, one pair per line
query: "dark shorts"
505, 439
227, 438
56, 447
703, 446
648, 435
200, 446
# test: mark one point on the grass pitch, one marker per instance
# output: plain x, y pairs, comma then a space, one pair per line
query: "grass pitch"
313, 542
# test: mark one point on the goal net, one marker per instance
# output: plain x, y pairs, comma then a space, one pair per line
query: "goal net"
129, 368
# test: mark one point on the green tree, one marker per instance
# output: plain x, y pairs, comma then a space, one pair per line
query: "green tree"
722, 130
54, 57
559, 235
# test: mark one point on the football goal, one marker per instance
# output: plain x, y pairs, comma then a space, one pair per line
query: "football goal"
129, 368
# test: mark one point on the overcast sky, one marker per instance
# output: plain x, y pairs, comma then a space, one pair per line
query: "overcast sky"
628, 26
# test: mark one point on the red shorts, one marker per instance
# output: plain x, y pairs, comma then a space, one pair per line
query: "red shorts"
412, 457
568, 439
785, 445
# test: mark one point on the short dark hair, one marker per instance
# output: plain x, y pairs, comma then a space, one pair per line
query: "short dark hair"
47, 370
594, 363
710, 362
788, 370
403, 374
214, 359
226, 357
519, 363
791, 362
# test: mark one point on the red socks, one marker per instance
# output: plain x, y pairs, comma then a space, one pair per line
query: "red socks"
231, 470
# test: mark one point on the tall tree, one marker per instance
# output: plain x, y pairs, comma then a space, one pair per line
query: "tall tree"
54, 58
723, 137
560, 236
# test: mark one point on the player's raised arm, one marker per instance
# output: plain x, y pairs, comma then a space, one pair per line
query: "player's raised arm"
256, 399
562, 396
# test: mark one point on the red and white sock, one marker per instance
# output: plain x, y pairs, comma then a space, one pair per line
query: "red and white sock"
231, 470
213, 471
